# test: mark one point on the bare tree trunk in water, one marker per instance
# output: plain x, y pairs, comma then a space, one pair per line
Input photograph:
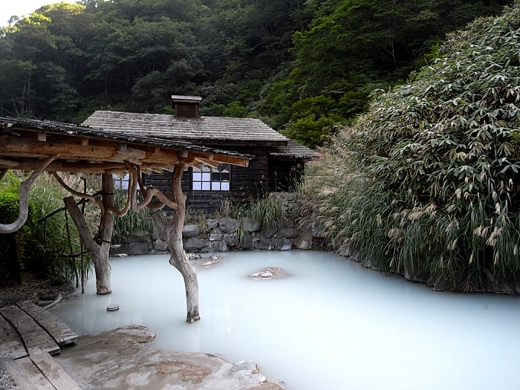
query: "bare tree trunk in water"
172, 233
99, 246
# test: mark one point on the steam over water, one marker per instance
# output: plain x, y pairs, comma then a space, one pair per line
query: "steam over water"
329, 324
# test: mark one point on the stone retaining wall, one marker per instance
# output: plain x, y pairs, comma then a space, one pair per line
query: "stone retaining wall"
226, 234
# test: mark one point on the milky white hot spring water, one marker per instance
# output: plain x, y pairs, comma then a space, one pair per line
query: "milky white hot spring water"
328, 324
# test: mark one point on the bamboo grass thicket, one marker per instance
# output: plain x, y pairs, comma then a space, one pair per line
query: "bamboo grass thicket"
56, 246
428, 179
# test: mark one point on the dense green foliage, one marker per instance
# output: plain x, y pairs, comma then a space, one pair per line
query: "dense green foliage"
10, 244
48, 243
352, 47
303, 66
429, 177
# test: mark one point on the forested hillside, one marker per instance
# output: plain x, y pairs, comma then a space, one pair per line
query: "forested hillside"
301, 66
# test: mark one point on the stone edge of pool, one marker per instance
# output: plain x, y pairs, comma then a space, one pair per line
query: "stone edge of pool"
120, 359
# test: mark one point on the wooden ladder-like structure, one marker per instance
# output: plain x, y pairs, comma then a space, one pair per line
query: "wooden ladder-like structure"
29, 335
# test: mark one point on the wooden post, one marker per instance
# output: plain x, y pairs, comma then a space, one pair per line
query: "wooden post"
82, 246
99, 246
172, 233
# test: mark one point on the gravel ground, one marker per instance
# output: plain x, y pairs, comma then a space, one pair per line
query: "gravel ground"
6, 382
33, 289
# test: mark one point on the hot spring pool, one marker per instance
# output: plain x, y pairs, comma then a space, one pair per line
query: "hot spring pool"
329, 324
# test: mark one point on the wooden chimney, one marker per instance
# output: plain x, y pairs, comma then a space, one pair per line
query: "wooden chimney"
186, 106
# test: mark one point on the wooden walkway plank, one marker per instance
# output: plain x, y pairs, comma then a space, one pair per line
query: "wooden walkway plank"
59, 331
35, 338
54, 372
10, 344
20, 377
33, 374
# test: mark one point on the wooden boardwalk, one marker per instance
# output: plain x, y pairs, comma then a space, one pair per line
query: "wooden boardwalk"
29, 335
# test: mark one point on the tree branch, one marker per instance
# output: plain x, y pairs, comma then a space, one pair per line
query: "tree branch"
24, 199
81, 225
147, 192
92, 198
82, 201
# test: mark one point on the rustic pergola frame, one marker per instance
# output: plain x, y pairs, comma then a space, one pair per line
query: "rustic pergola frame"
33, 145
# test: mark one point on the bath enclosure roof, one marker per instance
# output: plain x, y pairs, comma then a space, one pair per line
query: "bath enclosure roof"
24, 143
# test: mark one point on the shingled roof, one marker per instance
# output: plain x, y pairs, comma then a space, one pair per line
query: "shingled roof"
294, 149
195, 129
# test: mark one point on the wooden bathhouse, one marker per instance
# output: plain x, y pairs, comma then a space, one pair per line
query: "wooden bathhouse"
276, 163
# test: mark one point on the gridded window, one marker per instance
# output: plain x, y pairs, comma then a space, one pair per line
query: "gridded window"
121, 182
211, 179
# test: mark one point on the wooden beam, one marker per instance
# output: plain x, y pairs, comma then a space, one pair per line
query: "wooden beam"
80, 166
8, 163
42, 144
10, 344
224, 159
20, 376
21, 147
162, 156
210, 163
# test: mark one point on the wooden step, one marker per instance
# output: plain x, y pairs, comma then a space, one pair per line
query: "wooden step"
33, 374
10, 344
19, 375
39, 372
34, 337
54, 373
58, 330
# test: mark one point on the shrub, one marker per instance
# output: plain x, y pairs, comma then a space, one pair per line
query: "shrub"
268, 210
55, 246
10, 245
429, 176
48, 243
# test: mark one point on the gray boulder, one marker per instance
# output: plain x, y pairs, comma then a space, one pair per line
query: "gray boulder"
228, 225
189, 231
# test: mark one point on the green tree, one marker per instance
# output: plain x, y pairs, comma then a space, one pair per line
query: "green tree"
41, 62
355, 46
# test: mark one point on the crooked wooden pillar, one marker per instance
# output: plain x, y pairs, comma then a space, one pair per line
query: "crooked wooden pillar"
99, 246
172, 233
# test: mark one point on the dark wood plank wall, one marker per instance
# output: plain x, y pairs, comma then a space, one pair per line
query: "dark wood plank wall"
246, 183
285, 174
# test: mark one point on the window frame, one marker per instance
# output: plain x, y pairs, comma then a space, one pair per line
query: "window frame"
207, 179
